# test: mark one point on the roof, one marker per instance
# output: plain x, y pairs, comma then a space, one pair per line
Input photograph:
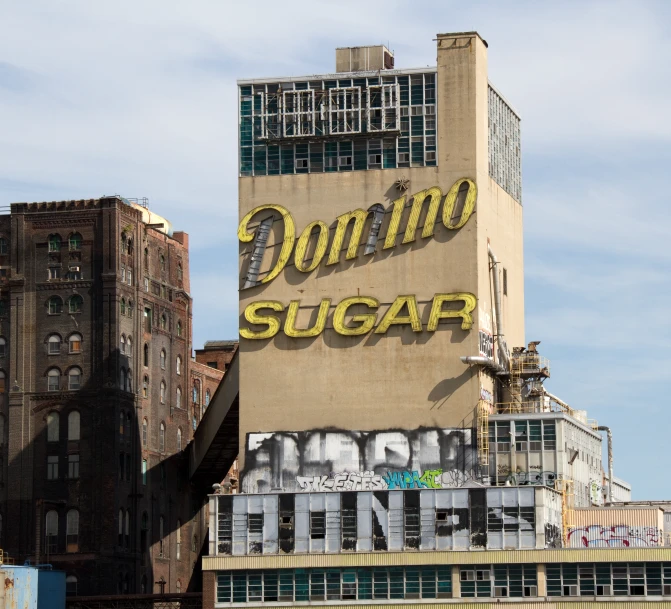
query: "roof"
220, 344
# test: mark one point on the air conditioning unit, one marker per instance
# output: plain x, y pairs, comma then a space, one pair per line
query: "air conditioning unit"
530, 590
500, 591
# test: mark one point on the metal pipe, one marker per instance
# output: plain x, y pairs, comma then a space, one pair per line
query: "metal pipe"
480, 360
610, 461
556, 399
500, 338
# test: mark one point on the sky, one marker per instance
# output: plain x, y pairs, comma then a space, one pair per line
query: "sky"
138, 98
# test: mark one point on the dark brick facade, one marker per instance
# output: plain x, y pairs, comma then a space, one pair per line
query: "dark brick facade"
217, 353
95, 315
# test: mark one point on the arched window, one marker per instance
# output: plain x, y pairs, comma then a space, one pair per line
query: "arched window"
207, 398
75, 304
129, 347
179, 438
3, 346
178, 365
164, 321
129, 384
54, 243
2, 382
194, 544
146, 258
145, 386
54, 379
122, 379
4, 247
162, 359
145, 357
74, 379
129, 309
73, 426
144, 432
53, 427
71, 585
180, 272
160, 537
196, 393
75, 342
178, 536
179, 328
75, 242
124, 241
55, 304
2, 441
162, 396
162, 262
161, 437
127, 529
72, 531
178, 398
122, 344
123, 306
54, 345
51, 531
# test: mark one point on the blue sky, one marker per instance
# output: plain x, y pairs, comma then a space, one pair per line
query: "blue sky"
138, 98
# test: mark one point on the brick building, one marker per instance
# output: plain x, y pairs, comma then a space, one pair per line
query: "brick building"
95, 370
217, 353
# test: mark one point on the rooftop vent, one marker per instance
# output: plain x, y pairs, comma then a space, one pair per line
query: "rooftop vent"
359, 59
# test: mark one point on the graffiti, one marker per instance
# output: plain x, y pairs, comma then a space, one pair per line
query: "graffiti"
331, 460
486, 395
431, 478
622, 535
595, 493
345, 481
535, 478
502, 469
486, 344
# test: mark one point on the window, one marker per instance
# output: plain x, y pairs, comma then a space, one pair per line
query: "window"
54, 243
75, 304
130, 276
129, 309
52, 427
161, 437
122, 379
179, 583
126, 530
4, 249
411, 520
145, 386
73, 466
145, 356
146, 284
178, 365
72, 531
75, 273
129, 381
73, 426
51, 532
180, 271
74, 379
505, 281
129, 347
123, 274
75, 342
164, 321
179, 328
144, 472
55, 304
160, 537
120, 542
71, 585
207, 398
2, 382
123, 306
75, 242
194, 544
196, 393
179, 439
122, 344
147, 319
52, 467
144, 432
146, 259
54, 345
162, 359
53, 379
317, 525
162, 394
162, 263
53, 272
178, 398
178, 535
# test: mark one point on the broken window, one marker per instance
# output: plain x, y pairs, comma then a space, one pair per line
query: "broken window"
348, 524
382, 111
255, 523
344, 107
411, 520
317, 525
298, 115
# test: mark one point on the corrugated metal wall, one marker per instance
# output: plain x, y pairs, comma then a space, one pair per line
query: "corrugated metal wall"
616, 527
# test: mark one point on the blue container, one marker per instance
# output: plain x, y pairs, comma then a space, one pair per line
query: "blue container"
31, 588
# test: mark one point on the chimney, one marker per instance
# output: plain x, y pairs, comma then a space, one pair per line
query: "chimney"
360, 59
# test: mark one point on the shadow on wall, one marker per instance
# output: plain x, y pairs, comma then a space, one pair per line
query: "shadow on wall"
84, 497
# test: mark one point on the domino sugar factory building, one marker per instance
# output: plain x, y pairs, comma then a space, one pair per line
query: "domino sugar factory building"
402, 448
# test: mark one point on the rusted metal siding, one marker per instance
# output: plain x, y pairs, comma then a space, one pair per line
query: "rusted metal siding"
289, 561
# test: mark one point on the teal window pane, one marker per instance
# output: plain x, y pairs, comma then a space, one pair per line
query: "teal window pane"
396, 582
302, 578
270, 581
365, 587
254, 586
239, 587
300, 86
444, 581
287, 159
273, 160
416, 90
389, 155
404, 90
316, 157
360, 155
429, 88
286, 586
259, 161
411, 582
380, 583
417, 155
246, 106
246, 90
224, 587
333, 584
417, 125
483, 588
317, 587
246, 132
428, 575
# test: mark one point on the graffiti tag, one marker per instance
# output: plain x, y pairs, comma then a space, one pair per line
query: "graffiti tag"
345, 481
431, 478
621, 535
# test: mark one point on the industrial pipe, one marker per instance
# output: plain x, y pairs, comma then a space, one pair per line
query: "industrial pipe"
556, 399
500, 339
610, 461
480, 360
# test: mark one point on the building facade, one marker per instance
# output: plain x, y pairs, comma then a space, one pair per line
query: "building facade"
217, 354
96, 339
397, 441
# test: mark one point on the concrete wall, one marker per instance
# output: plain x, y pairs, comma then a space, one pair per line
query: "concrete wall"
401, 379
